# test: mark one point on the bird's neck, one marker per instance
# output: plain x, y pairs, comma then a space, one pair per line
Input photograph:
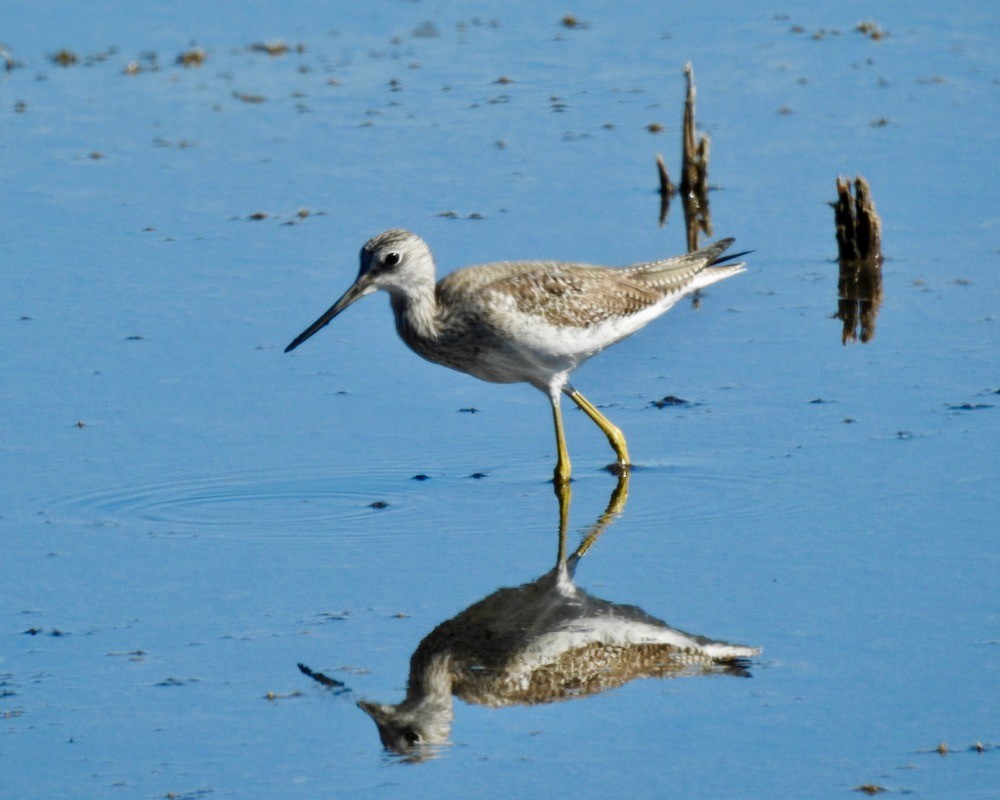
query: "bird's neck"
430, 677
428, 697
416, 313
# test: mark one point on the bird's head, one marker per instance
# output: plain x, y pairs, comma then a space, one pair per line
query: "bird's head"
415, 731
397, 261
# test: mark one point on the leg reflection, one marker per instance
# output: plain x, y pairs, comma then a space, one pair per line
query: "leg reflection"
616, 505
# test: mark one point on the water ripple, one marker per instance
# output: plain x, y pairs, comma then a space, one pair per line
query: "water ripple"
257, 503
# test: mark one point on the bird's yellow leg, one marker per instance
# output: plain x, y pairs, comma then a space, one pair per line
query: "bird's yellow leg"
614, 434
564, 495
562, 460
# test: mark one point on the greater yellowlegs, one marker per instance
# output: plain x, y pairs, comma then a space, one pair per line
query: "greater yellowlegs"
530, 321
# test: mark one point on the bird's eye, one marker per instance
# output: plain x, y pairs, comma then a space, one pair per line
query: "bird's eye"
412, 738
391, 259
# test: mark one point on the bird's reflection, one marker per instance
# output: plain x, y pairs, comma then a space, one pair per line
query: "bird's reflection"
541, 642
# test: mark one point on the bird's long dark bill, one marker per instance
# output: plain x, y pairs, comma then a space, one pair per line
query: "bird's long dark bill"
356, 292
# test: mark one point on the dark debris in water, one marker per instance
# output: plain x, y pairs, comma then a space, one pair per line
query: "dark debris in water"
872, 30
969, 407
469, 410
65, 58
339, 687
378, 504
300, 215
275, 47
456, 215
272, 696
176, 681
192, 58
670, 401
478, 476
52, 632
944, 749
573, 23
420, 477
247, 97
